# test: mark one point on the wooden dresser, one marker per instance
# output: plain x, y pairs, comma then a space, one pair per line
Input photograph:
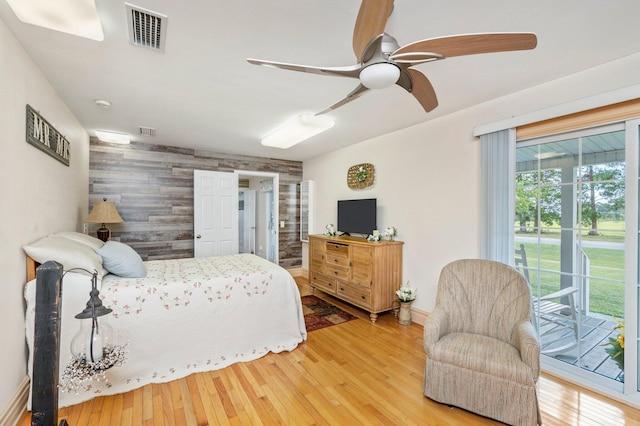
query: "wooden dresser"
363, 273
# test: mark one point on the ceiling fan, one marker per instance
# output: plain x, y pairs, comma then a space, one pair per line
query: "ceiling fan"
383, 63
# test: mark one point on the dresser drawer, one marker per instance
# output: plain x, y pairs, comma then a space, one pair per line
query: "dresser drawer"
337, 271
337, 260
337, 254
355, 294
337, 249
323, 282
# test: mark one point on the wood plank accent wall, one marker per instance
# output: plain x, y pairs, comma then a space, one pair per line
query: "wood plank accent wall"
152, 186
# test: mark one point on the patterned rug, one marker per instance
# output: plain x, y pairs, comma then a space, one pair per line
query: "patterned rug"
320, 314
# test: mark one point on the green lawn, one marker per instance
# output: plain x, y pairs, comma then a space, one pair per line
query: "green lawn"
610, 231
605, 297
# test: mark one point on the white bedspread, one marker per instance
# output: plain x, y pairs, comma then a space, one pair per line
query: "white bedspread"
186, 316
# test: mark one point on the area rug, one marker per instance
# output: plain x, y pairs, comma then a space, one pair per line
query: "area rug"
319, 314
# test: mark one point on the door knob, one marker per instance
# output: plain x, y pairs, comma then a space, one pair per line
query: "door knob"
198, 236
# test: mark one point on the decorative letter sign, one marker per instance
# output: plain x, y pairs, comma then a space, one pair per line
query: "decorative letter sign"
45, 137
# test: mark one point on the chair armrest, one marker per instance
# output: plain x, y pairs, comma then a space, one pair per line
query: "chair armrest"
435, 326
560, 293
524, 339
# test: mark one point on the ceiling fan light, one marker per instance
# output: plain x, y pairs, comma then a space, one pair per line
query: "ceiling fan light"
302, 127
379, 76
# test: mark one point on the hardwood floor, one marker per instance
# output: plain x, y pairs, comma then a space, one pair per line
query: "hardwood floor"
354, 373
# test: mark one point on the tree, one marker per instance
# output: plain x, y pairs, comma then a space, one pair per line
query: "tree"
526, 195
538, 198
602, 193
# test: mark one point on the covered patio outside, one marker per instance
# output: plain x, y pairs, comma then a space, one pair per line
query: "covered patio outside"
570, 204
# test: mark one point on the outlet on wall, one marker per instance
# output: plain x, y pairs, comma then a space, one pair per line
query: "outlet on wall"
282, 224
85, 228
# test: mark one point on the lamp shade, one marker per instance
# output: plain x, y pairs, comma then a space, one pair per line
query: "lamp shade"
379, 76
104, 212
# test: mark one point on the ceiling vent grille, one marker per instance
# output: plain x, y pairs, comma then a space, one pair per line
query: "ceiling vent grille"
146, 28
146, 131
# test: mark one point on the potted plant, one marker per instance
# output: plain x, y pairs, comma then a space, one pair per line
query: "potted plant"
392, 232
616, 349
330, 230
406, 296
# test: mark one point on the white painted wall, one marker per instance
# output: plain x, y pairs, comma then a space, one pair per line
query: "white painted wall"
39, 194
427, 176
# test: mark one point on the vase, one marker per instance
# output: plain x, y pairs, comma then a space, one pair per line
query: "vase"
404, 316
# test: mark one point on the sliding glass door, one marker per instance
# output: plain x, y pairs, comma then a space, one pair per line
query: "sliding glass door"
576, 221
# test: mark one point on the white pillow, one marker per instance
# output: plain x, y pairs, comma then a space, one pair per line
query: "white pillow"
120, 259
88, 240
71, 254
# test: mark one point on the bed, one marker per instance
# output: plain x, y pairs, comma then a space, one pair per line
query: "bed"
184, 316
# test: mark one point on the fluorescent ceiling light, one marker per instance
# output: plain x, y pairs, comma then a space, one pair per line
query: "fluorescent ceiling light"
302, 127
76, 17
113, 137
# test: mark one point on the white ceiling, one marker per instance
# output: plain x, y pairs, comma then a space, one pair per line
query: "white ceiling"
201, 93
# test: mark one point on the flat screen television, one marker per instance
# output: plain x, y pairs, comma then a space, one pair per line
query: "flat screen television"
357, 216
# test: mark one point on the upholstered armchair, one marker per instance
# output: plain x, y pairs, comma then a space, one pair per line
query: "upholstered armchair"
482, 350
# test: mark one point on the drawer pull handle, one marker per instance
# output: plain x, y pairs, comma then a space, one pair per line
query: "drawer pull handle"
341, 288
335, 272
335, 260
363, 297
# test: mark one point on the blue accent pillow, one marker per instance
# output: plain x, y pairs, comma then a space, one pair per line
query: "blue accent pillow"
120, 259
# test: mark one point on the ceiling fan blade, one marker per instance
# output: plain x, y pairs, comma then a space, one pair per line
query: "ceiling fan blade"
416, 83
471, 44
372, 49
371, 20
355, 94
415, 58
352, 71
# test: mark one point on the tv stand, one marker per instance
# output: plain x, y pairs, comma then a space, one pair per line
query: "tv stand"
363, 273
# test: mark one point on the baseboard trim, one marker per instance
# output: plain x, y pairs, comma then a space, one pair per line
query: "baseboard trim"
13, 411
298, 272
418, 316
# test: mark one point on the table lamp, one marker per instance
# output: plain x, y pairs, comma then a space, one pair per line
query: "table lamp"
104, 212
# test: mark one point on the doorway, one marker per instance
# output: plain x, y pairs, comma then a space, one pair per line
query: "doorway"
576, 213
258, 195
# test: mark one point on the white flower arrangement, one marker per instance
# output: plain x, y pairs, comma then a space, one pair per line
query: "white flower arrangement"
330, 230
375, 236
391, 232
407, 293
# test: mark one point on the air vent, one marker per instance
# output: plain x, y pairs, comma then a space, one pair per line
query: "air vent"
146, 28
146, 131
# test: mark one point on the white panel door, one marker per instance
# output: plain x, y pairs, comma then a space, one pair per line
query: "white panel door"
250, 221
215, 204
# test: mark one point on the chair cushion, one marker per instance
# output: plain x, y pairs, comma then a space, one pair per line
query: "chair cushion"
483, 354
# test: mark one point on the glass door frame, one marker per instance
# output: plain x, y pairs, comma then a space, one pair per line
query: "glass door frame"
627, 391
632, 263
